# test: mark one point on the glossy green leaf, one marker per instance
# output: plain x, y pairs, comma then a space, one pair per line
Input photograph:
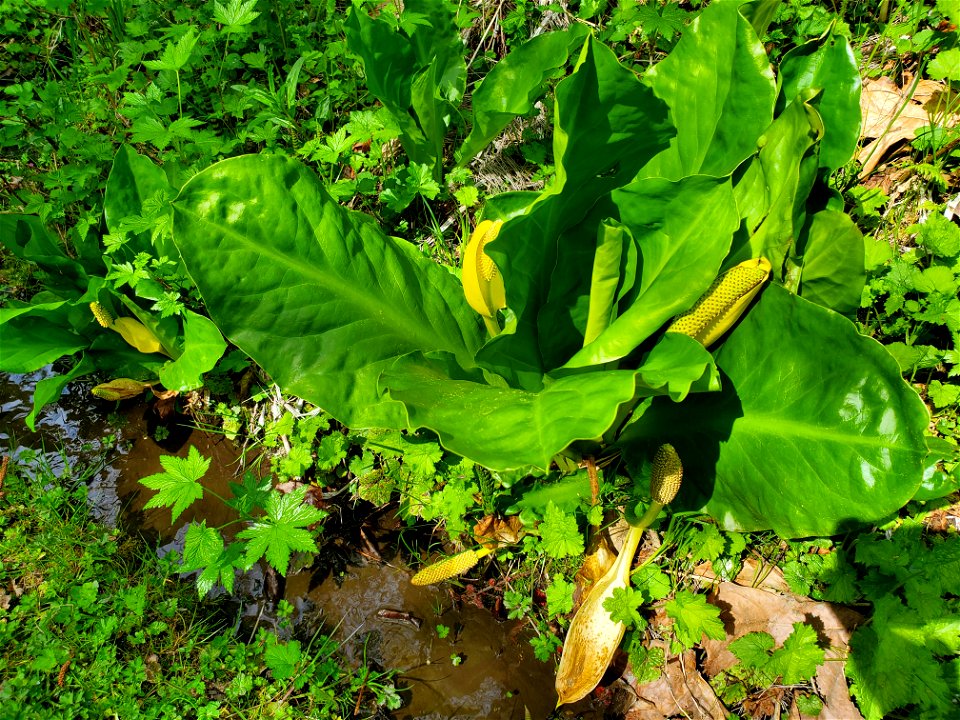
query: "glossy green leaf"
203, 346
28, 238
48, 390
608, 125
814, 432
29, 342
316, 294
721, 92
514, 84
614, 273
772, 189
684, 230
505, 428
827, 65
133, 179
833, 272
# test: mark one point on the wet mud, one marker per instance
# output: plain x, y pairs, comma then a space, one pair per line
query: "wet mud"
483, 668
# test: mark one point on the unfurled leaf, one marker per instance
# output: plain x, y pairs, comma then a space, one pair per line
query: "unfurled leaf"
179, 485
235, 14
175, 54
283, 530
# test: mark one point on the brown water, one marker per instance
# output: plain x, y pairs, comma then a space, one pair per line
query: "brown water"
484, 669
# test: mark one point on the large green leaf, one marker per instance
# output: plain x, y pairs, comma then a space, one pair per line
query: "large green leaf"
514, 84
30, 341
684, 230
203, 346
505, 428
772, 189
827, 65
28, 238
721, 92
608, 125
48, 390
133, 180
314, 293
814, 432
833, 271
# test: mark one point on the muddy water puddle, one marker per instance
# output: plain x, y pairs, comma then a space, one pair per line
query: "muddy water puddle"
482, 669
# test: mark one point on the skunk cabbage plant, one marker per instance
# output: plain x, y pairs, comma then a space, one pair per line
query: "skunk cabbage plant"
791, 420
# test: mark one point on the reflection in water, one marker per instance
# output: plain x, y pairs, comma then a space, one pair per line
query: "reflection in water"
482, 669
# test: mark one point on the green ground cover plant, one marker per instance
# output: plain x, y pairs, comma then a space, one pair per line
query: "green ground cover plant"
91, 625
268, 172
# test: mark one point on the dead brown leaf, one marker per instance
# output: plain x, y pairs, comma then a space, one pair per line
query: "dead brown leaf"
744, 610
944, 519
492, 531
680, 690
892, 114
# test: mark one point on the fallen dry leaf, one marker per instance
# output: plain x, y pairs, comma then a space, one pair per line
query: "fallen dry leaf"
745, 610
892, 114
492, 531
680, 691
944, 519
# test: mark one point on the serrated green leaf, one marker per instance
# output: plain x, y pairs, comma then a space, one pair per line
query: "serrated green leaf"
647, 663
203, 550
943, 394
652, 582
559, 596
753, 649
179, 485
282, 531
890, 665
282, 657
201, 546
559, 533
331, 451
694, 618
623, 607
176, 54
945, 66
798, 659
235, 14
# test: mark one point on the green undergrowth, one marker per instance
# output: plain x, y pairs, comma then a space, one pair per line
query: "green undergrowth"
94, 625
129, 93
